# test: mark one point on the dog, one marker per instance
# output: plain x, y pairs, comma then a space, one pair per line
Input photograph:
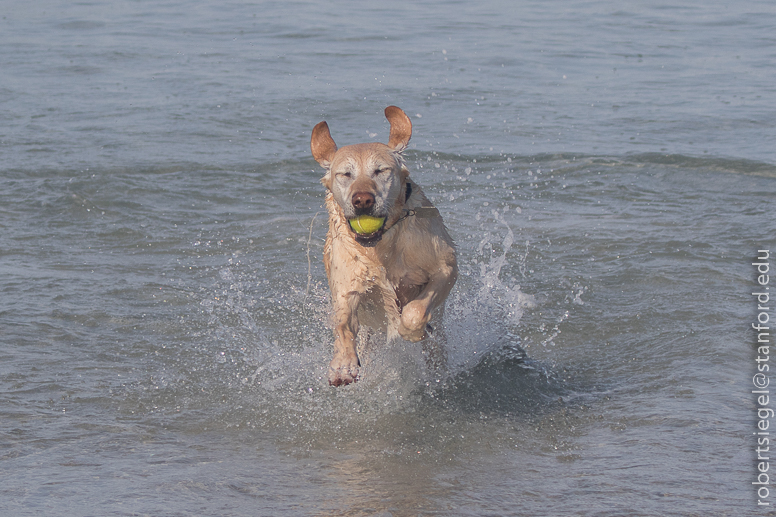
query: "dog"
400, 272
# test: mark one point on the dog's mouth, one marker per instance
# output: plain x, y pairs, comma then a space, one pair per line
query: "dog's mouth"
371, 239
368, 229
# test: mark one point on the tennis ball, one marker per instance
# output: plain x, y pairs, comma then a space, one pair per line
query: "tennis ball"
366, 224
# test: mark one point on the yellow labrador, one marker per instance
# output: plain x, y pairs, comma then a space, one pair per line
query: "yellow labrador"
400, 264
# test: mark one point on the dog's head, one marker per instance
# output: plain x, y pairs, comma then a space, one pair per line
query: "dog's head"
365, 179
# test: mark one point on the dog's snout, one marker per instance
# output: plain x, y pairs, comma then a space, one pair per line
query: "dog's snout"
363, 201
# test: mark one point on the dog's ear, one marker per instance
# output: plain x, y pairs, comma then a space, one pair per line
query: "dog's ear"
322, 145
401, 128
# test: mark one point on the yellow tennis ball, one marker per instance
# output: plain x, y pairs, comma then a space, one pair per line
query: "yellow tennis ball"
366, 224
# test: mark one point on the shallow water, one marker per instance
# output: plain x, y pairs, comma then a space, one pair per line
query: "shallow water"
606, 170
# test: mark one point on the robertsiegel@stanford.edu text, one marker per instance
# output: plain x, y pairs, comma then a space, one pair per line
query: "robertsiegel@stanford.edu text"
761, 379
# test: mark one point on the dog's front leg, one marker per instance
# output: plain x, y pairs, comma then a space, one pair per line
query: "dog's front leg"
344, 367
417, 313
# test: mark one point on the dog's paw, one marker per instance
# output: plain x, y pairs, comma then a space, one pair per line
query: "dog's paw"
412, 335
343, 371
414, 322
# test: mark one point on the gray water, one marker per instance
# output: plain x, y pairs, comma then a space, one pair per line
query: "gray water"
606, 169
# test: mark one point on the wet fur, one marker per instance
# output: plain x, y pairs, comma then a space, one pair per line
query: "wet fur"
405, 272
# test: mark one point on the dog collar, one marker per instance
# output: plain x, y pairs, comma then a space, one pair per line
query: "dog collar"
421, 212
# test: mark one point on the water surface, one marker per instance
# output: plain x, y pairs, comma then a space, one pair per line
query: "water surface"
606, 169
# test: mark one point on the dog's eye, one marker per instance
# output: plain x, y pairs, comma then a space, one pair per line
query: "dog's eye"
382, 169
344, 174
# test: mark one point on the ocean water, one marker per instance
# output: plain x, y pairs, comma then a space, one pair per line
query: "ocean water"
607, 170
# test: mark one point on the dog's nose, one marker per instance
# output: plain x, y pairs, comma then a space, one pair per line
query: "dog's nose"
363, 201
